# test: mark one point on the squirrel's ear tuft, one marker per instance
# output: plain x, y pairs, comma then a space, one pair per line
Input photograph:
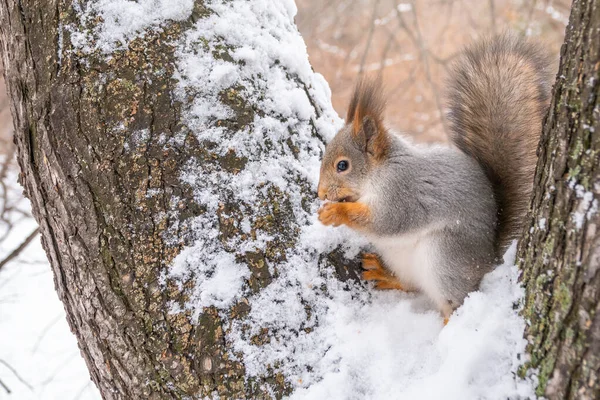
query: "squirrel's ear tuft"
369, 128
365, 113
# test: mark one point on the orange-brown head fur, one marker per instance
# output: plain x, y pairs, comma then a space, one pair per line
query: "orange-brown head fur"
360, 144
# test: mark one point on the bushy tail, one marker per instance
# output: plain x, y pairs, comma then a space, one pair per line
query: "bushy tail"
499, 93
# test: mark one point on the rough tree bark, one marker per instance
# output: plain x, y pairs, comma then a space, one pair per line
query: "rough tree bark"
560, 251
102, 145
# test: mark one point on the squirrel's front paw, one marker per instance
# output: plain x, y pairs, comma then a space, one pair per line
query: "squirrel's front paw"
329, 214
355, 215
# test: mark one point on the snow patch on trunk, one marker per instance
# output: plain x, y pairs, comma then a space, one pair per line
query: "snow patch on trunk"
251, 52
124, 20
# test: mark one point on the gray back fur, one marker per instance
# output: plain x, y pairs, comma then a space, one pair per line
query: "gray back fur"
442, 188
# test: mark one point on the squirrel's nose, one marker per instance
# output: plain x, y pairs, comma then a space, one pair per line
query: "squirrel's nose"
322, 192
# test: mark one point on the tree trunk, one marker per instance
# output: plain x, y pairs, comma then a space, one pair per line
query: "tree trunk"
130, 156
560, 252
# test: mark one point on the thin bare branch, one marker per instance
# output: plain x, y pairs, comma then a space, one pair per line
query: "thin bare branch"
45, 331
493, 16
417, 39
5, 387
369, 39
529, 16
388, 45
16, 374
15, 253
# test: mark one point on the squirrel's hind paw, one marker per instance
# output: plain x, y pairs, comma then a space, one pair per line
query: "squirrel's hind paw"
375, 271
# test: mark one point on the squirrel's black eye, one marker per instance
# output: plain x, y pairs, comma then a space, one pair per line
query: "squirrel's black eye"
342, 165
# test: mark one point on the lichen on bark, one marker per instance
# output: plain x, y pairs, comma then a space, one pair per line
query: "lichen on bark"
560, 251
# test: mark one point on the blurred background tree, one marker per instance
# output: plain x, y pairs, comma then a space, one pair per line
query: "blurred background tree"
412, 43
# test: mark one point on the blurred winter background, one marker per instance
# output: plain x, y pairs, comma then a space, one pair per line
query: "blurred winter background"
410, 43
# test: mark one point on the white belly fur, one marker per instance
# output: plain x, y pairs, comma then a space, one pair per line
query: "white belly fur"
412, 258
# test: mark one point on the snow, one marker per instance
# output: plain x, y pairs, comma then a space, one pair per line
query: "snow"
586, 207
328, 339
220, 277
42, 348
123, 20
557, 15
404, 7
375, 345
542, 223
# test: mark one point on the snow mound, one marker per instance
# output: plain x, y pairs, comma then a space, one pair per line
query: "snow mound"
391, 345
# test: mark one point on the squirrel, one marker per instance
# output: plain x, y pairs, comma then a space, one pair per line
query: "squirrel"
440, 217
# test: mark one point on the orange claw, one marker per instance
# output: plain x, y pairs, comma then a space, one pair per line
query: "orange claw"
370, 261
390, 285
375, 271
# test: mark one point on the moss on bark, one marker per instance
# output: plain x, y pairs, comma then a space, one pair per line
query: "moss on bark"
560, 257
